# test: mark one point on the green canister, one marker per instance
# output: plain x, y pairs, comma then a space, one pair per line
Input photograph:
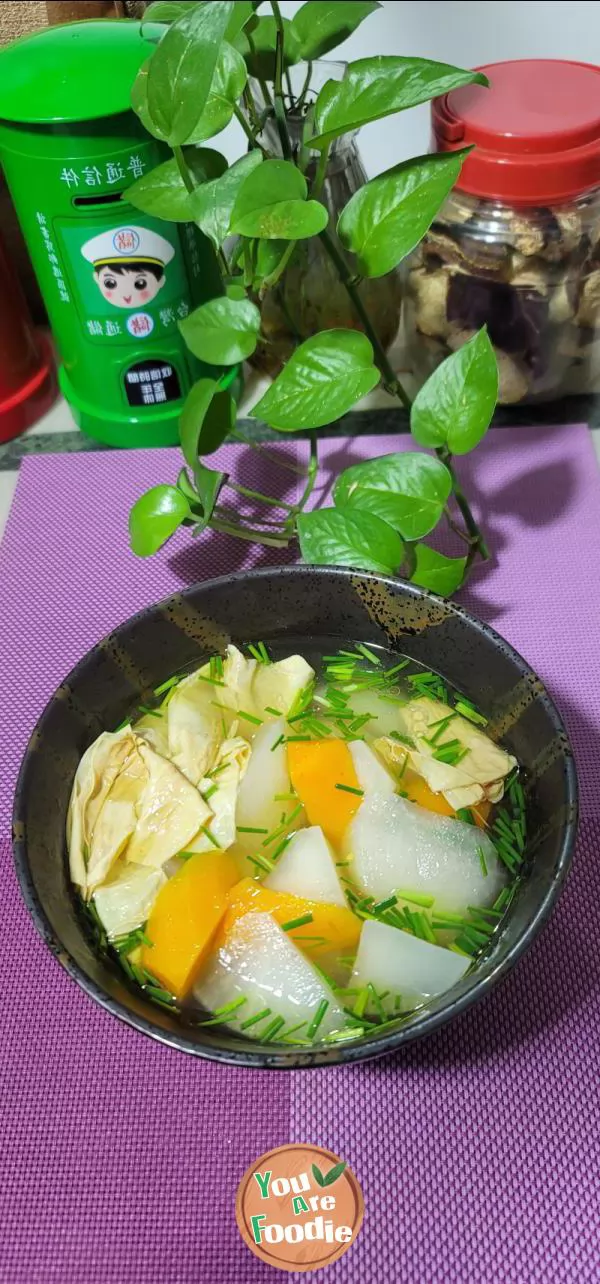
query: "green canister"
115, 282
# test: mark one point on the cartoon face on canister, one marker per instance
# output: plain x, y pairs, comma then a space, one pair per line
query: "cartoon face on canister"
128, 264
129, 285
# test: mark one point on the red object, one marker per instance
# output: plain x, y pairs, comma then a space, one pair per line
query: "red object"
536, 131
27, 373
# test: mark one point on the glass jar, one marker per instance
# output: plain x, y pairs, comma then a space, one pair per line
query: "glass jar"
527, 268
309, 296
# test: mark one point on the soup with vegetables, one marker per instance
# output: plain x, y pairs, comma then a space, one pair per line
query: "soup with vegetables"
302, 854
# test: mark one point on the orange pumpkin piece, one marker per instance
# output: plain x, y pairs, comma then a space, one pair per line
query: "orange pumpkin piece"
339, 927
316, 767
185, 917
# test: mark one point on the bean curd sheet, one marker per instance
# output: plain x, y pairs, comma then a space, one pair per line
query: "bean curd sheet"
305, 848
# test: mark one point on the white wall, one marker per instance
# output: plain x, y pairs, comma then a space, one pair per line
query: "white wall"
465, 33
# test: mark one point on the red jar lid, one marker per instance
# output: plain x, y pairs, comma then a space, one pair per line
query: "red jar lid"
536, 131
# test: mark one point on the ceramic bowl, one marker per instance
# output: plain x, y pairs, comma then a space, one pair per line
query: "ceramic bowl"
310, 609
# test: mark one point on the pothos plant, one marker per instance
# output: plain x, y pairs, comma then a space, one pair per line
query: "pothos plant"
194, 83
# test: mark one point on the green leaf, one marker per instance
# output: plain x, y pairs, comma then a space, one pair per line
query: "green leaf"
334, 1173
377, 87
243, 10
455, 407
258, 47
318, 1175
185, 486
386, 218
320, 25
323, 378
268, 258
337, 537
162, 192
154, 517
222, 331
271, 204
226, 87
434, 571
208, 483
181, 69
207, 417
212, 204
167, 10
408, 490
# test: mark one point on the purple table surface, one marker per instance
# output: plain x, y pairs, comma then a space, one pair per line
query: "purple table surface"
478, 1149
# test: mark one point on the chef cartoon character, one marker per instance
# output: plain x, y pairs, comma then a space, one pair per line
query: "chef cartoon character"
129, 264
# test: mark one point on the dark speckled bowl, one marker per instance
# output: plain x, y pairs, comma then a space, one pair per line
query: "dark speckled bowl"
323, 607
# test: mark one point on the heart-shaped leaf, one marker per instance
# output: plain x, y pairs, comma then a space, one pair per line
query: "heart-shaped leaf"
207, 417
408, 490
243, 11
455, 407
181, 70
167, 10
271, 203
227, 85
323, 378
208, 484
377, 87
386, 218
154, 517
222, 331
258, 47
162, 191
269, 255
212, 204
434, 571
338, 537
320, 25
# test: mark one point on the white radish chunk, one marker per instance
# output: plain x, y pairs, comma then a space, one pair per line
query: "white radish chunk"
258, 961
266, 775
390, 959
307, 869
373, 777
399, 846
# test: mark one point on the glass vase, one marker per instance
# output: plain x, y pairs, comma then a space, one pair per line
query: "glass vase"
309, 296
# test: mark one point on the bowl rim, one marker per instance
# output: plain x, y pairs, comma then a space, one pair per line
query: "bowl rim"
258, 1057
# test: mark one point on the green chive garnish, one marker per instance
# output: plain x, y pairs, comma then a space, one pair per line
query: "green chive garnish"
272, 1029
468, 710
250, 829
279, 741
481, 854
253, 1020
210, 836
317, 1018
241, 713
297, 922
417, 898
349, 789
276, 712
368, 655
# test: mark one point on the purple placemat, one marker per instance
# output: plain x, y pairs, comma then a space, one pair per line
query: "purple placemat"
477, 1149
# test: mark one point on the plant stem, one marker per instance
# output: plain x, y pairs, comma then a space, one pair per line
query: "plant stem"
183, 168
311, 474
258, 495
247, 128
288, 81
262, 450
320, 173
252, 536
278, 102
390, 379
273, 277
251, 110
476, 540
305, 87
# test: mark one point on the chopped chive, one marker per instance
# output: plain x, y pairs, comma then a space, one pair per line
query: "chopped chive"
426, 927
250, 829
466, 815
360, 722
397, 668
285, 797
279, 741
166, 686
241, 713
481, 855
272, 1029
417, 898
317, 1018
376, 1001
502, 899
262, 863
438, 730
292, 1030
481, 924
186, 855
343, 1036
448, 920
360, 1004
369, 655
210, 836
276, 833
209, 792
231, 1007
144, 708
456, 949
473, 934
468, 710
451, 753
349, 789
253, 1020
392, 699
214, 682
347, 861
311, 940
297, 922
481, 909
282, 846
276, 712
384, 905
407, 741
